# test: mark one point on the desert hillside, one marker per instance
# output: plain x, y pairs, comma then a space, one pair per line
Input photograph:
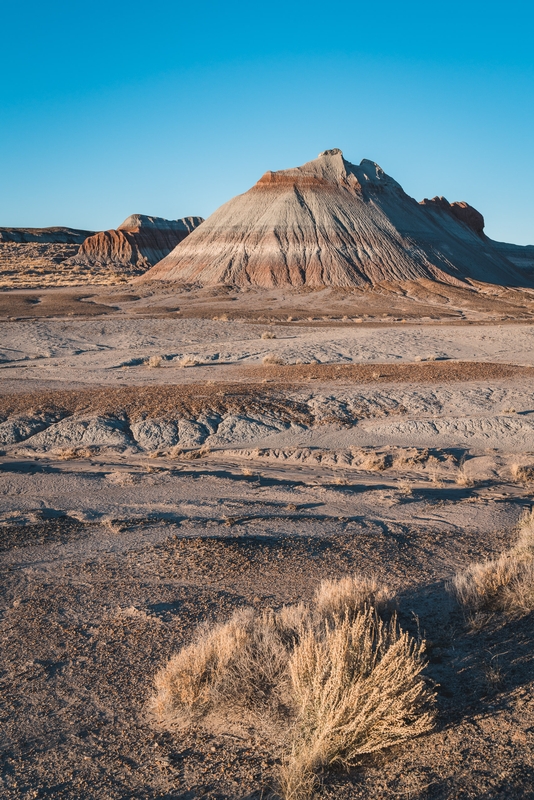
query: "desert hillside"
333, 223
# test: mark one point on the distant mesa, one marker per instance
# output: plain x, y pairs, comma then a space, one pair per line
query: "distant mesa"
332, 223
136, 245
57, 235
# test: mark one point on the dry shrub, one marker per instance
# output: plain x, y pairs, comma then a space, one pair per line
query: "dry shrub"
522, 473
504, 583
189, 361
71, 453
324, 683
347, 597
357, 689
272, 359
462, 478
238, 669
374, 463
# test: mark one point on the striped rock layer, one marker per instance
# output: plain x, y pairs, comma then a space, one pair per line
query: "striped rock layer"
136, 245
331, 222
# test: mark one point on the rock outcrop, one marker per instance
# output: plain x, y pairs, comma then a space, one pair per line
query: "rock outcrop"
136, 245
331, 222
460, 210
57, 235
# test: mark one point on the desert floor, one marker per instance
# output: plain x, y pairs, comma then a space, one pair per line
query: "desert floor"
168, 455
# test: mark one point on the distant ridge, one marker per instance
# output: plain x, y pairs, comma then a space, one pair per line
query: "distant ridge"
57, 235
138, 243
334, 223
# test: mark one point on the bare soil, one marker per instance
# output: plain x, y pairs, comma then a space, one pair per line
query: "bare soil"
111, 557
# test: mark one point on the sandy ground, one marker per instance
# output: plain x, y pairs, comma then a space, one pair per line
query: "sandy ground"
43, 264
138, 501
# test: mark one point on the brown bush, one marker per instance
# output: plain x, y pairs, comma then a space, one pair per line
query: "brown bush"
324, 683
504, 583
357, 689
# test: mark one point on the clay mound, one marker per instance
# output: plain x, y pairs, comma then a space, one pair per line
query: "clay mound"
136, 245
331, 222
58, 235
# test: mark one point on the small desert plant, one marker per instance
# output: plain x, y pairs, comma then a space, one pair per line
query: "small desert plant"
268, 335
504, 583
154, 361
70, 453
462, 478
189, 361
522, 473
357, 689
325, 683
374, 463
272, 359
405, 488
347, 597
237, 668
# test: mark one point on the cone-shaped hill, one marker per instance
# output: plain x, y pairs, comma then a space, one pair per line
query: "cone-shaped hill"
330, 222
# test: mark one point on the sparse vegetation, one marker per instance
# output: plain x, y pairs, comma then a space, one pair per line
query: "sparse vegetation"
272, 360
189, 361
324, 683
502, 584
522, 473
347, 597
374, 463
71, 453
462, 478
357, 689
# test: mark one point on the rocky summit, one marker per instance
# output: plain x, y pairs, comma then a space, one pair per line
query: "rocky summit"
333, 223
137, 244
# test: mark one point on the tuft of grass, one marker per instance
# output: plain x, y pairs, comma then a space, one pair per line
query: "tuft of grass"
462, 478
324, 683
71, 453
357, 689
272, 359
522, 473
189, 361
349, 596
374, 463
503, 584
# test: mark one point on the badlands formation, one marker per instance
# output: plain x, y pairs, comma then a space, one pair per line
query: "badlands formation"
329, 379
137, 244
332, 223
67, 257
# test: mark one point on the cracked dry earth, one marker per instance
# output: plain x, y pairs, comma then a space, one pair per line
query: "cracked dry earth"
137, 503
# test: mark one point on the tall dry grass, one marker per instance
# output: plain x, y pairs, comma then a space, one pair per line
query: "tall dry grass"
324, 683
356, 689
347, 597
504, 583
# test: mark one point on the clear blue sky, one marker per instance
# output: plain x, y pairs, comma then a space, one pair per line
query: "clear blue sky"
171, 108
